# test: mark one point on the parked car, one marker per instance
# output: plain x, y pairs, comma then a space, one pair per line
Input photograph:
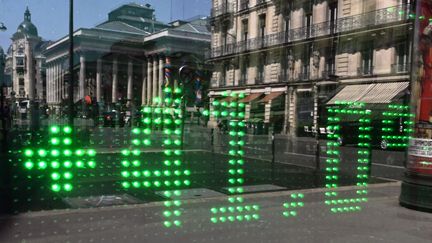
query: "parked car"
385, 137
113, 118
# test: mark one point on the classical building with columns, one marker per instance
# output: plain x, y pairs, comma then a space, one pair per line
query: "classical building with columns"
293, 57
124, 59
25, 62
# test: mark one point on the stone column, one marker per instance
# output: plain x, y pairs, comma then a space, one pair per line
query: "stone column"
286, 112
144, 83
115, 80
155, 77
98, 80
149, 81
30, 72
55, 87
161, 76
62, 84
82, 77
48, 83
130, 82
58, 82
51, 83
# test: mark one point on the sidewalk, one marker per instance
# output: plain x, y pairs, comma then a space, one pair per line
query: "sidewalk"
380, 220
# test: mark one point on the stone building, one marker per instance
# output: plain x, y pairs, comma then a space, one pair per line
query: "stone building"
25, 63
293, 57
123, 59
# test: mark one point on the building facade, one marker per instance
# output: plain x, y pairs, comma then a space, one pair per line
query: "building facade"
124, 59
25, 63
293, 57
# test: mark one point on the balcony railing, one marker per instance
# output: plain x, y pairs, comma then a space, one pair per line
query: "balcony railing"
298, 34
321, 29
259, 79
328, 73
304, 75
378, 17
244, 4
242, 81
259, 2
365, 70
381, 16
222, 10
214, 82
400, 68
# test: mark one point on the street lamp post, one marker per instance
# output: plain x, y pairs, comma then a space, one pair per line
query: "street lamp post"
2, 96
71, 63
2, 27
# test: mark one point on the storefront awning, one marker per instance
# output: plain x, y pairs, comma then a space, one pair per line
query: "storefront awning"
271, 96
382, 93
226, 99
251, 98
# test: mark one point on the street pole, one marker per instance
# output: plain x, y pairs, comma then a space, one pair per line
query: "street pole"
2, 98
273, 150
317, 116
71, 62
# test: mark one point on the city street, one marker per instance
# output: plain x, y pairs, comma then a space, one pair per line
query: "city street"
380, 220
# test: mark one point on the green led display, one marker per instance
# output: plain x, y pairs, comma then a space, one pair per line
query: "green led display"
291, 207
60, 160
232, 110
170, 176
397, 125
355, 111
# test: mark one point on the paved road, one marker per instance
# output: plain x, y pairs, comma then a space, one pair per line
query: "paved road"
381, 219
297, 151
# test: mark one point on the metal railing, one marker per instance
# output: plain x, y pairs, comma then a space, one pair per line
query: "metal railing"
259, 79
304, 75
365, 70
244, 4
377, 17
242, 81
214, 82
259, 2
400, 68
222, 10
298, 33
328, 73
322, 29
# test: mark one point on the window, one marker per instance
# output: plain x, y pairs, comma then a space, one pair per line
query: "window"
244, 71
262, 25
366, 67
245, 30
402, 55
224, 35
333, 14
261, 68
225, 70
305, 60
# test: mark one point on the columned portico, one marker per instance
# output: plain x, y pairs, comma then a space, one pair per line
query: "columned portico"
161, 76
155, 78
129, 82
149, 81
114, 80
82, 77
98, 80
144, 83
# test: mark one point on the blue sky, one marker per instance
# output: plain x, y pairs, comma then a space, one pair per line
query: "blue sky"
51, 16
